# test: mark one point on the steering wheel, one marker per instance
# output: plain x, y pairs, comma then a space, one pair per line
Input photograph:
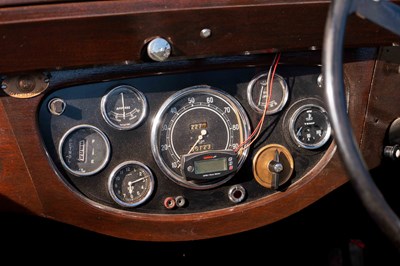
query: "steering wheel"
387, 15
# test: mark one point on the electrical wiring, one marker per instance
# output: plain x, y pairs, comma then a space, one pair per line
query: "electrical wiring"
256, 133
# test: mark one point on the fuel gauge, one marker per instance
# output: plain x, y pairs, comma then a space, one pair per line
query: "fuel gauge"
84, 150
124, 107
310, 127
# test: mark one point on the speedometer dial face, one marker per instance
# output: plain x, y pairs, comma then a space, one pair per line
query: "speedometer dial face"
197, 119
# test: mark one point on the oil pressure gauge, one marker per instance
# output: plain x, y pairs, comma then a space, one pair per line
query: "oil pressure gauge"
124, 107
310, 127
130, 184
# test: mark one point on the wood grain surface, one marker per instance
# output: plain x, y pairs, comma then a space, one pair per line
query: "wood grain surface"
81, 34
59, 202
383, 107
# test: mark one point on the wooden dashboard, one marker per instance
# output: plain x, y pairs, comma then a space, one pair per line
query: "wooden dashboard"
93, 42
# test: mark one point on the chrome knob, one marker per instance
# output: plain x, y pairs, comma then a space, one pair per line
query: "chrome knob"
159, 49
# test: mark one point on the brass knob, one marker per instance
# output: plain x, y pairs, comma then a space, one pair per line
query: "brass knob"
273, 166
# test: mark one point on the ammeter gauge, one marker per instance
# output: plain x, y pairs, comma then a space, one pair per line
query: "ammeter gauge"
124, 107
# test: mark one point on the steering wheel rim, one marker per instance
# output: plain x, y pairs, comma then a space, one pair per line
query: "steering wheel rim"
387, 15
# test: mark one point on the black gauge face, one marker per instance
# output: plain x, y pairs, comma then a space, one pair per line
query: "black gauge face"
84, 150
197, 119
257, 94
130, 184
310, 127
124, 107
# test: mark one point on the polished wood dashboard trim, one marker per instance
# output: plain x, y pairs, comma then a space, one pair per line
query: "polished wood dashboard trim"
17, 192
81, 34
383, 106
62, 204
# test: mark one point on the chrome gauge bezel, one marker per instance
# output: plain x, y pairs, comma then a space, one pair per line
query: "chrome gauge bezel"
111, 123
111, 182
98, 169
200, 89
292, 130
285, 92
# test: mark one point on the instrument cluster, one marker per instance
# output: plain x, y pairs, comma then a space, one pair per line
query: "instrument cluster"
178, 143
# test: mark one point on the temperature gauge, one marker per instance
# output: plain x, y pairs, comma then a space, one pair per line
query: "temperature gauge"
124, 107
310, 127
131, 183
257, 94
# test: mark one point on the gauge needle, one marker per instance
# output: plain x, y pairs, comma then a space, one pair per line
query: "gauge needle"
261, 94
200, 137
130, 183
123, 105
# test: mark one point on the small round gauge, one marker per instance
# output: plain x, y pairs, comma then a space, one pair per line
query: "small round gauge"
310, 127
197, 119
130, 184
84, 150
124, 107
257, 94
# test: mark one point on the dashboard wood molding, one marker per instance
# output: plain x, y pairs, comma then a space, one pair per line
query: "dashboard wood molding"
61, 204
81, 34
383, 106
17, 192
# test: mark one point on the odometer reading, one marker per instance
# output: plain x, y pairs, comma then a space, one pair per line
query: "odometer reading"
197, 119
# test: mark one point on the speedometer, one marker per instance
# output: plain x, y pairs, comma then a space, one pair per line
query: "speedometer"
197, 119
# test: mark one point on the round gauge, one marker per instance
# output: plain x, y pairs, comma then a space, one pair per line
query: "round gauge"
197, 119
257, 94
84, 150
124, 107
131, 183
310, 127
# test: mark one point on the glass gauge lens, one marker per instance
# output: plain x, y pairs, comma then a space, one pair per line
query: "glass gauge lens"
84, 150
124, 107
310, 127
131, 183
257, 94
197, 119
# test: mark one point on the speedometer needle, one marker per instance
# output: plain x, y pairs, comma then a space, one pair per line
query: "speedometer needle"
200, 137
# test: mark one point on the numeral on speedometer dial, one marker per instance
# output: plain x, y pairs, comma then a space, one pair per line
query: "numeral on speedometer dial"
204, 119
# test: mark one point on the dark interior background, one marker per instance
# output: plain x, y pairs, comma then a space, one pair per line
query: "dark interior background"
319, 235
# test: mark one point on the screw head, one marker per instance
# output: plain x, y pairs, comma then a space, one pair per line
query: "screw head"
205, 33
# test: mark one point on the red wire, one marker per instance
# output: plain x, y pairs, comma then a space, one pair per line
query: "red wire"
261, 122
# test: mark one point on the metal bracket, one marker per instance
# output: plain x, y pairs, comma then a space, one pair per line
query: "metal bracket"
25, 85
